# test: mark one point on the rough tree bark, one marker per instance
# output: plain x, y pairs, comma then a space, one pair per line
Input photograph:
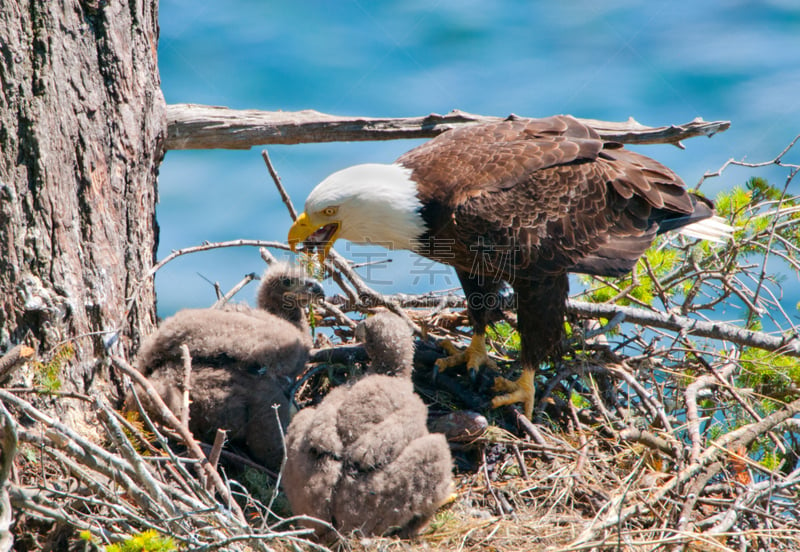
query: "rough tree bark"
82, 125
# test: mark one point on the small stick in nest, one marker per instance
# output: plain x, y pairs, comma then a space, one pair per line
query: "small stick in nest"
186, 384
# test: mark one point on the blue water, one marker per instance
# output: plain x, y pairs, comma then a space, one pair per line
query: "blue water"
660, 62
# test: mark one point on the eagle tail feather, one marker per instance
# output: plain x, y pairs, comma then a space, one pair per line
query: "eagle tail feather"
713, 229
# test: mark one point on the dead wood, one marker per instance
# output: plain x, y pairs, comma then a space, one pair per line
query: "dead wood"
192, 126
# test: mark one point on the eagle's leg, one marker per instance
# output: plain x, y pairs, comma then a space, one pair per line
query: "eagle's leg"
481, 293
540, 322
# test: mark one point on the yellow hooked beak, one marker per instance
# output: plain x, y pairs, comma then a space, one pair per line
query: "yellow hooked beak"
303, 228
300, 230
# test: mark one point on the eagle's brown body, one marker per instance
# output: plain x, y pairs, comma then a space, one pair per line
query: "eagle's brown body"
528, 200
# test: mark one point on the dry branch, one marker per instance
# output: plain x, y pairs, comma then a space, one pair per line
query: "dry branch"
690, 396
186, 385
112, 491
787, 345
191, 126
235, 289
281, 190
8, 453
13, 358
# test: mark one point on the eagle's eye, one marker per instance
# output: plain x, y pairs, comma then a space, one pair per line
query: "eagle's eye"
329, 211
286, 282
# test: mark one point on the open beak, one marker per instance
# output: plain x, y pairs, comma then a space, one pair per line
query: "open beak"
312, 236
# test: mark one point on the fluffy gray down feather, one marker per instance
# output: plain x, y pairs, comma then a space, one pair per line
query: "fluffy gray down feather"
363, 460
244, 361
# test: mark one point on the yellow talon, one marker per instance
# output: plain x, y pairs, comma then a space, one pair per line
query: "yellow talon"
448, 347
520, 391
474, 356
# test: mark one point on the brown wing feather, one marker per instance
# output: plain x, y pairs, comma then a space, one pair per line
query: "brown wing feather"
527, 197
492, 157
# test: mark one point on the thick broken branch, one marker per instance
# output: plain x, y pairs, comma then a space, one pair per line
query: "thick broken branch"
191, 126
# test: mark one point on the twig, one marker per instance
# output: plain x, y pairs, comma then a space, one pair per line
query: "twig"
284, 458
278, 184
216, 245
650, 440
787, 345
216, 448
341, 318
690, 395
652, 404
235, 289
521, 462
267, 256
186, 384
618, 319
771, 237
775, 161
693, 494
131, 300
530, 428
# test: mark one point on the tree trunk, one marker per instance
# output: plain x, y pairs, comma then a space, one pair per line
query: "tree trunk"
82, 125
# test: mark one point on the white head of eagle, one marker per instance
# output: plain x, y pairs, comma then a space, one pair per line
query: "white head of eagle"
368, 203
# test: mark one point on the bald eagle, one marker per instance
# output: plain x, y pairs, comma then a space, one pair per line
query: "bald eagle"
522, 201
